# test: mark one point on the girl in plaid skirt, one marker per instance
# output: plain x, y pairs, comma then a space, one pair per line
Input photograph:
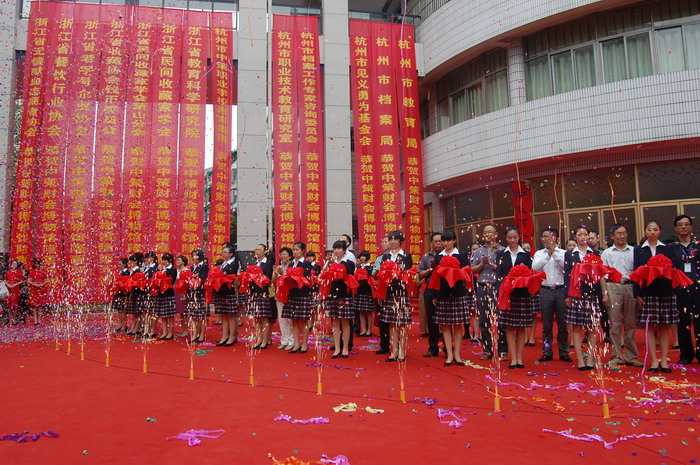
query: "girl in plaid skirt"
165, 300
519, 316
150, 266
298, 306
195, 299
119, 299
453, 304
136, 297
338, 297
656, 300
364, 300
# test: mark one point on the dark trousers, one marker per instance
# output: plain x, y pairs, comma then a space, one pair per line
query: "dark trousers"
486, 305
551, 305
433, 328
383, 335
688, 302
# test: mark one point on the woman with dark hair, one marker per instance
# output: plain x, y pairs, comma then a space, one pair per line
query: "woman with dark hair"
181, 263
286, 338
119, 298
255, 283
364, 300
337, 293
195, 300
38, 291
14, 279
656, 301
519, 316
298, 305
225, 300
150, 266
583, 313
164, 281
136, 297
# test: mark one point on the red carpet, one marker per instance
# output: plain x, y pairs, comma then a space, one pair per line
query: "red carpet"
101, 413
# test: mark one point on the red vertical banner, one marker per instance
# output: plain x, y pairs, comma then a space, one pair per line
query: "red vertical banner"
77, 212
311, 141
137, 134
193, 92
49, 197
364, 111
409, 123
107, 189
161, 191
35, 75
222, 68
388, 181
285, 132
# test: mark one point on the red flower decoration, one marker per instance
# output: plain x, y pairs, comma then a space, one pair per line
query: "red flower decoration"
661, 261
448, 261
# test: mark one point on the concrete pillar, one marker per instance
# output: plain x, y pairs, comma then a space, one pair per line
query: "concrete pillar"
254, 161
516, 72
9, 16
337, 120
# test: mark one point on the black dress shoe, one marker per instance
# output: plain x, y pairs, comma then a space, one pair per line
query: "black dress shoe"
447, 364
685, 361
169, 338
343, 355
565, 358
429, 354
294, 351
382, 351
545, 358
512, 367
229, 344
653, 370
460, 363
589, 368
520, 365
163, 338
220, 344
665, 370
583, 368
390, 359
335, 355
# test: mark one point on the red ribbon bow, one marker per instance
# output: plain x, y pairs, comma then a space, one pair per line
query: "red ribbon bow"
450, 270
335, 272
160, 282
252, 274
389, 272
215, 280
293, 279
362, 275
119, 283
660, 266
185, 281
520, 276
136, 281
590, 270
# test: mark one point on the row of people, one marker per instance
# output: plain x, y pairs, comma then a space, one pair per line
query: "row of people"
27, 287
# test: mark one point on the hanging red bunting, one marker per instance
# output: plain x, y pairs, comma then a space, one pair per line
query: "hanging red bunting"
80, 253
35, 75
285, 132
409, 123
162, 190
222, 67
107, 188
307, 73
364, 111
193, 93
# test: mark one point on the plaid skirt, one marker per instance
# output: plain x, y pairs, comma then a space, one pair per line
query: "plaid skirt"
535, 298
135, 303
195, 306
242, 298
259, 306
297, 308
396, 310
165, 306
118, 302
225, 304
519, 315
453, 310
583, 312
339, 307
659, 310
364, 303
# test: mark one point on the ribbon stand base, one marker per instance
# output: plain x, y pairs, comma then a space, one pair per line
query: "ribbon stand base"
191, 373
82, 353
319, 388
606, 411
145, 367
252, 381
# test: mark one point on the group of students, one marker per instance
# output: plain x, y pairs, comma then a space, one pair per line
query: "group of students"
24, 291
654, 286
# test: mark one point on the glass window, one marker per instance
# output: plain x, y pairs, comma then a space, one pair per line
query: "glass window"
563, 71
496, 91
460, 112
691, 35
474, 101
588, 219
693, 211
585, 67
614, 60
472, 207
626, 216
668, 181
537, 81
639, 55
544, 194
465, 238
502, 203
450, 211
670, 48
624, 20
664, 214
544, 221
443, 109
424, 119
597, 188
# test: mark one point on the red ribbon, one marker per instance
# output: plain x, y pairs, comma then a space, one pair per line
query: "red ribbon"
335, 272
293, 279
119, 283
660, 266
215, 280
590, 271
520, 276
185, 281
362, 275
450, 270
389, 272
160, 282
136, 281
255, 275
